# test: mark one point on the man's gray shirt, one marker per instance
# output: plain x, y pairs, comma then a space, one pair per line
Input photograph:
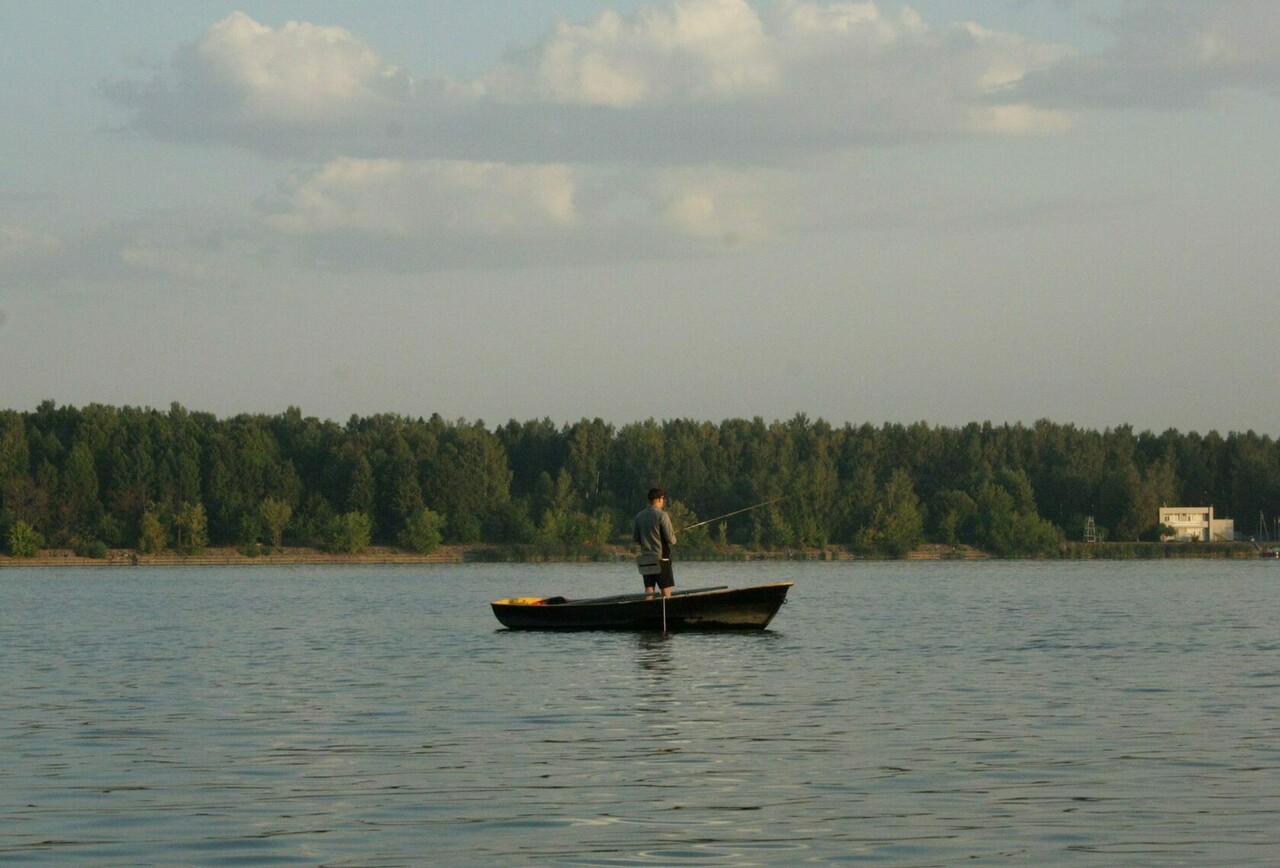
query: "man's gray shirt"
654, 532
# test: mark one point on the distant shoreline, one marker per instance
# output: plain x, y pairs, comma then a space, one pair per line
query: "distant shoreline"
231, 556
479, 554
449, 554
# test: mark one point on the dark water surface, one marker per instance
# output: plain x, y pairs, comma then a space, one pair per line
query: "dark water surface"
901, 714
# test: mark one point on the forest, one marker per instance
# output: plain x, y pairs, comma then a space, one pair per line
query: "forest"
101, 477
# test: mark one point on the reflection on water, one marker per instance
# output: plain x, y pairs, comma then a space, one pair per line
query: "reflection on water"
897, 713
654, 652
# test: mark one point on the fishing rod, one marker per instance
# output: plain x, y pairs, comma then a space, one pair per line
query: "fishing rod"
735, 512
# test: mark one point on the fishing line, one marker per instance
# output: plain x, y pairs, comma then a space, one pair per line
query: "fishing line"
735, 512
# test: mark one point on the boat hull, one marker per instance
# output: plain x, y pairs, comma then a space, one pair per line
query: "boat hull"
705, 609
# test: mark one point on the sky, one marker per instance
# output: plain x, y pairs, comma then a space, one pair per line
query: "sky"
947, 211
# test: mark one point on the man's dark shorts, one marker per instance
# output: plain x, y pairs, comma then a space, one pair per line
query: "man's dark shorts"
664, 579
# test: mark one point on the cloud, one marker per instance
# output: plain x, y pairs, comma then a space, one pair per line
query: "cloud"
725, 207
265, 88
1170, 56
175, 247
163, 263
399, 198
405, 216
411, 214
680, 82
684, 127
687, 51
20, 246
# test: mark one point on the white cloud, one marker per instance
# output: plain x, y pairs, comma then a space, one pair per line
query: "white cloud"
163, 263
721, 206
421, 215
1171, 55
266, 88
688, 50
429, 212
300, 73
21, 246
684, 81
1019, 119
185, 247
407, 198
687, 125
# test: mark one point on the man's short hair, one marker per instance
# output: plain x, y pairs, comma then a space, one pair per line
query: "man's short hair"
655, 493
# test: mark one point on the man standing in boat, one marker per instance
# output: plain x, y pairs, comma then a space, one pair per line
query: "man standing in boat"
656, 536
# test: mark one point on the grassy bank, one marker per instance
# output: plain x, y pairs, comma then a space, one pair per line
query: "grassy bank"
458, 554
1136, 551
444, 555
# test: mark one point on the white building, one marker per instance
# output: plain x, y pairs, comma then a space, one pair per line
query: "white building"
1196, 523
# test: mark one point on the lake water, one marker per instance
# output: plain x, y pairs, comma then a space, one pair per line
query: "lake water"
894, 713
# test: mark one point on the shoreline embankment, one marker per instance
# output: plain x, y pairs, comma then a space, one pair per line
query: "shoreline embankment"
462, 554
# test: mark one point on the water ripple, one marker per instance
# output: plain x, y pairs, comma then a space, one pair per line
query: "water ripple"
916, 714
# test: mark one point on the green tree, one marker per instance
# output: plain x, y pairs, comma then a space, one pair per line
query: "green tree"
360, 489
192, 528
589, 531
423, 531
1255, 479
1008, 528
511, 522
15, 459
349, 533
589, 444
681, 518
897, 527
80, 508
24, 540
814, 484
532, 448
311, 521
250, 537
91, 474
638, 455
275, 514
152, 539
467, 479
952, 514
557, 501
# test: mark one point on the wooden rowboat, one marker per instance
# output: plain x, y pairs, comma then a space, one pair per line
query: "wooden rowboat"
719, 608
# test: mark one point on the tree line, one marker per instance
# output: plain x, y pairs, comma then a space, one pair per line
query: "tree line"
103, 477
